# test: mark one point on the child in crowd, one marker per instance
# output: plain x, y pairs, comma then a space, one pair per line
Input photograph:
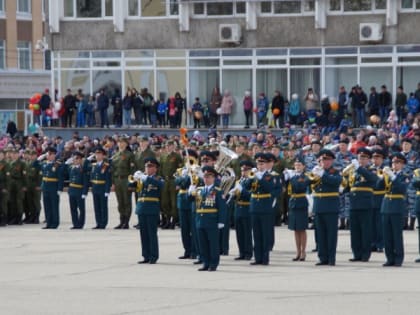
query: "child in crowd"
197, 111
161, 111
90, 110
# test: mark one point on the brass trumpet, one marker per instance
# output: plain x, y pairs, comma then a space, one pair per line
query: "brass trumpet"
348, 170
137, 184
417, 173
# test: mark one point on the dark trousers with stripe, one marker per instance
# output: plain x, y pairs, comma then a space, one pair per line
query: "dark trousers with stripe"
209, 246
51, 201
100, 203
326, 225
77, 210
149, 236
393, 237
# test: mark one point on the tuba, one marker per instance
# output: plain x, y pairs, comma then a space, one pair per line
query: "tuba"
228, 174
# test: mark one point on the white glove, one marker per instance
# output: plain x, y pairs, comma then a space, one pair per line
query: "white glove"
83, 196
389, 172
42, 157
318, 170
106, 195
291, 173
355, 163
184, 172
91, 157
59, 192
238, 187
232, 191
220, 226
254, 170
137, 175
143, 177
341, 189
69, 161
192, 189
259, 175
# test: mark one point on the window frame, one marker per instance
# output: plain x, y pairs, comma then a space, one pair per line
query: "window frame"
302, 12
205, 15
167, 12
75, 17
2, 7
24, 49
24, 14
373, 9
3, 59
412, 9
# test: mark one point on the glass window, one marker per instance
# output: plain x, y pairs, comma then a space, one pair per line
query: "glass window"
341, 50
153, 8
357, 5
204, 53
283, 7
336, 77
408, 77
220, 8
106, 54
1, 5
68, 8
302, 79
110, 80
199, 8
89, 9
133, 7
380, 4
173, 7
2, 55
24, 55
266, 7
75, 79
271, 52
24, 6
108, 8
335, 5
305, 61
376, 76
204, 63
140, 79
240, 7
309, 6
169, 82
341, 61
407, 4
270, 80
417, 4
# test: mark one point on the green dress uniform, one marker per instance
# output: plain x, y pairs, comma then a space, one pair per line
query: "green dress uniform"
100, 179
211, 211
298, 204
4, 192
140, 156
18, 183
243, 220
262, 217
52, 186
393, 211
361, 184
123, 164
33, 192
78, 190
326, 207
169, 164
147, 210
416, 185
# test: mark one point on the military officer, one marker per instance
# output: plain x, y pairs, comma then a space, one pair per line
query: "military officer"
123, 164
416, 185
170, 162
325, 187
78, 189
394, 209
211, 210
242, 156
100, 180
52, 187
298, 185
150, 187
144, 151
17, 187
261, 211
241, 192
184, 202
33, 193
377, 166
360, 182
4, 188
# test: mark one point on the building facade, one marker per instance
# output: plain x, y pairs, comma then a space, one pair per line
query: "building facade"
192, 46
24, 68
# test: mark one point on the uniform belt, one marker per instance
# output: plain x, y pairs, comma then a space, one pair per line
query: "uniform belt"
210, 210
243, 203
75, 185
146, 199
182, 191
367, 189
379, 192
328, 194
98, 182
260, 196
391, 196
49, 179
298, 195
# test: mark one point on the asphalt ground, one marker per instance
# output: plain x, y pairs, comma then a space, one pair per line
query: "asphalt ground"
89, 271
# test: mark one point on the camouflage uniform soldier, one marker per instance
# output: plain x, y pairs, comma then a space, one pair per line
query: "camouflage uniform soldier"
4, 188
33, 193
17, 187
169, 162
343, 158
123, 165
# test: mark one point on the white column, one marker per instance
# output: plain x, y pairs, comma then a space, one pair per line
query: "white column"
251, 15
119, 13
321, 14
54, 15
392, 8
184, 16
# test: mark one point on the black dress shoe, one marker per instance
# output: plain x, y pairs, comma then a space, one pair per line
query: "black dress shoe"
152, 261
302, 258
239, 258
198, 262
248, 258
397, 264
265, 263
224, 253
254, 263
46, 227
119, 226
203, 269
388, 264
364, 259
331, 263
321, 263
146, 261
314, 250
184, 257
296, 258
137, 226
95, 228
417, 260
355, 259
212, 268
75, 228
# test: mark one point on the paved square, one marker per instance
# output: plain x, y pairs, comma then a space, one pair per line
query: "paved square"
96, 272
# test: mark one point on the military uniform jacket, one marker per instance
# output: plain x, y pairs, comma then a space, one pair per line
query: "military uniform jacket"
183, 199
243, 198
4, 175
361, 184
236, 163
276, 188
297, 189
261, 195
18, 172
326, 193
123, 164
34, 175
394, 200
416, 185
211, 207
379, 188
79, 180
140, 156
100, 178
169, 164
148, 202
52, 176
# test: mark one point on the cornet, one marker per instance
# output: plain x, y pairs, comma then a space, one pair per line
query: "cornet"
348, 170
138, 184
